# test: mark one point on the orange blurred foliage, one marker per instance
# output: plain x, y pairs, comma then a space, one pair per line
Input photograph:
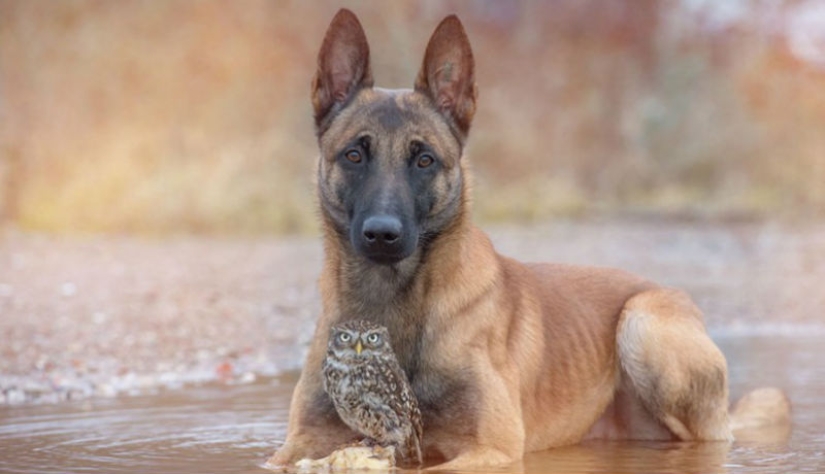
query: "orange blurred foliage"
193, 116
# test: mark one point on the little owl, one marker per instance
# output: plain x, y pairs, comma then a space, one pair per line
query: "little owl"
370, 390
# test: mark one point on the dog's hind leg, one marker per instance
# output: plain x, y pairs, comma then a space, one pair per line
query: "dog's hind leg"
673, 366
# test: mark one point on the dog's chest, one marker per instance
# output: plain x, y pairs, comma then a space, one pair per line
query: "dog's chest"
444, 390
447, 398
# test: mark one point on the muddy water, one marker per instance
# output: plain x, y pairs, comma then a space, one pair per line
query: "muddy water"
220, 428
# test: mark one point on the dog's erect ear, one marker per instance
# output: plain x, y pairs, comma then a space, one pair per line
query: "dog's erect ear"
343, 65
447, 75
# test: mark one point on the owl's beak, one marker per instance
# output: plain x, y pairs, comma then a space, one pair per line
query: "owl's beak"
358, 348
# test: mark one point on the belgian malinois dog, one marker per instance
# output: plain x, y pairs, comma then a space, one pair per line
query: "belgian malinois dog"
504, 357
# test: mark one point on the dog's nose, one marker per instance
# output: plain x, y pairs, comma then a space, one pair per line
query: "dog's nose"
384, 238
382, 230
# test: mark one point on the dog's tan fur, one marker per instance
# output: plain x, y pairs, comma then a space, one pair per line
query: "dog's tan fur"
505, 357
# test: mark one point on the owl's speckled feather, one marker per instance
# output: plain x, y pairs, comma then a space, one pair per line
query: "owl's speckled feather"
370, 390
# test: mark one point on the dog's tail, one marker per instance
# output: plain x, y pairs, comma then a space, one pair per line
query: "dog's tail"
762, 416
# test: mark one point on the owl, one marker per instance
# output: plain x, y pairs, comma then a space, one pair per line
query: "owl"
370, 390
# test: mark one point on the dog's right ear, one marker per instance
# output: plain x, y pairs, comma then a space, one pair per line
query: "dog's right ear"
343, 66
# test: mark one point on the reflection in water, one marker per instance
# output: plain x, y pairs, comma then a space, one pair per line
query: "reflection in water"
215, 428
221, 428
631, 457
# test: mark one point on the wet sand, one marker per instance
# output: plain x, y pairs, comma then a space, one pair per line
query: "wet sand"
86, 317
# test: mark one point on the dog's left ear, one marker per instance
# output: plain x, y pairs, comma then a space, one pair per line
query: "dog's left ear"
447, 74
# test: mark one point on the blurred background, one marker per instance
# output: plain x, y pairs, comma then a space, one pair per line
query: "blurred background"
194, 116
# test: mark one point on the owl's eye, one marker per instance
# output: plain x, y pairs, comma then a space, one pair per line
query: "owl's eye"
344, 337
373, 338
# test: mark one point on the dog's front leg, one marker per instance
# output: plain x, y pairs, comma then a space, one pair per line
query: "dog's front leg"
315, 430
477, 457
495, 410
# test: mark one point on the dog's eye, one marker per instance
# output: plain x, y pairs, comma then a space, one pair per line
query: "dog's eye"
425, 161
353, 156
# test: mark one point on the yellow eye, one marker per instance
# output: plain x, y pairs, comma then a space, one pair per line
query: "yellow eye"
344, 337
425, 161
373, 338
353, 156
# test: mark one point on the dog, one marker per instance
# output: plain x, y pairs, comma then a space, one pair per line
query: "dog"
504, 357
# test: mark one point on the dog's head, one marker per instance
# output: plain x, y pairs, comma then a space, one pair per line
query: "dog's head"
389, 175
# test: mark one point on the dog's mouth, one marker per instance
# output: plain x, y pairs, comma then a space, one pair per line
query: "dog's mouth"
386, 259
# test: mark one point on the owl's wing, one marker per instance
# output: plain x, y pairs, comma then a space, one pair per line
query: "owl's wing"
405, 397
396, 374
328, 373
418, 440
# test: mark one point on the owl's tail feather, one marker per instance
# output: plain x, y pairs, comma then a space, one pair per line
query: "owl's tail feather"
411, 452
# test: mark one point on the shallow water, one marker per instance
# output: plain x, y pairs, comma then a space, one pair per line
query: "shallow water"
234, 428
